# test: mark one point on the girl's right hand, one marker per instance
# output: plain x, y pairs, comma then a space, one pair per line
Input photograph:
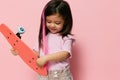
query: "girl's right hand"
14, 52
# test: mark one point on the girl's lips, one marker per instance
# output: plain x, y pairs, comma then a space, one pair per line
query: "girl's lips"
53, 29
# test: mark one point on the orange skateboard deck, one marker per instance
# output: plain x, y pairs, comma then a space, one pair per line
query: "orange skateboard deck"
27, 54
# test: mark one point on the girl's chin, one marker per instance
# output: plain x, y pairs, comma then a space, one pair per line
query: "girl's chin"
54, 32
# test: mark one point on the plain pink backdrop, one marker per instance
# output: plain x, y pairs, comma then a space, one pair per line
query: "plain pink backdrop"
97, 33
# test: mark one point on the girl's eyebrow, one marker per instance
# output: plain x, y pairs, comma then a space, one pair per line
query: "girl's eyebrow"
48, 20
58, 21
55, 21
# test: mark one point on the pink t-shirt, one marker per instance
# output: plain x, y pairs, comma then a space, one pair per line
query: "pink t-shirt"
55, 44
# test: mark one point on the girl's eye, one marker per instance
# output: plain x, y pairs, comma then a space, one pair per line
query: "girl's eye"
57, 23
48, 22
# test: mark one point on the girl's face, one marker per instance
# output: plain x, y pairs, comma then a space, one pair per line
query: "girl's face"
54, 23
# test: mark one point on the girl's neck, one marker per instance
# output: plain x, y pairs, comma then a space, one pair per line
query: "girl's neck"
54, 33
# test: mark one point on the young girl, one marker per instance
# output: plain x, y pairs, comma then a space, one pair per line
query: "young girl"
57, 19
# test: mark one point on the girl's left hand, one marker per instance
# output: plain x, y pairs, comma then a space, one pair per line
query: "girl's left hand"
41, 61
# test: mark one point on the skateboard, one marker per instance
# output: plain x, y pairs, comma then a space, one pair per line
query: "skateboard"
27, 54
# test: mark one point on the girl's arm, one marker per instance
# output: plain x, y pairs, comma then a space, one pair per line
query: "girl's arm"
56, 57
59, 56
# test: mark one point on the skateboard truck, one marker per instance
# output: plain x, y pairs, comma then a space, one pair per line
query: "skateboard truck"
21, 30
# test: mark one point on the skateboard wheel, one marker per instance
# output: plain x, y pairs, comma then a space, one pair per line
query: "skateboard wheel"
21, 30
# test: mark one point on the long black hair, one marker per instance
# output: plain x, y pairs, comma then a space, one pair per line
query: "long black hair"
61, 7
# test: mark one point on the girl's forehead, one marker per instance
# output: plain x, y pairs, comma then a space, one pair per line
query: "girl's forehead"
54, 16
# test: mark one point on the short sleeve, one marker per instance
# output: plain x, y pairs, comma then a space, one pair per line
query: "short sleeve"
68, 44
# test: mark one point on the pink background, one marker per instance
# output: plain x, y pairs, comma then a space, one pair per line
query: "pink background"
96, 53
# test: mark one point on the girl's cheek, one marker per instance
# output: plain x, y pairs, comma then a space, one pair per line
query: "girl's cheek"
47, 25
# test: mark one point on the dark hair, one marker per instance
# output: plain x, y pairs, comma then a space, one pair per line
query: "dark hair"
61, 7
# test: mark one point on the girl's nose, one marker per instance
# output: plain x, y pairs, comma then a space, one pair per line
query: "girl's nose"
52, 25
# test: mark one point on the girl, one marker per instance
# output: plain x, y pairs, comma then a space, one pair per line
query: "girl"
57, 19
58, 22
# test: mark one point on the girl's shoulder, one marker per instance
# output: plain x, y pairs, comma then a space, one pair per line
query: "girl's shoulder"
69, 37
